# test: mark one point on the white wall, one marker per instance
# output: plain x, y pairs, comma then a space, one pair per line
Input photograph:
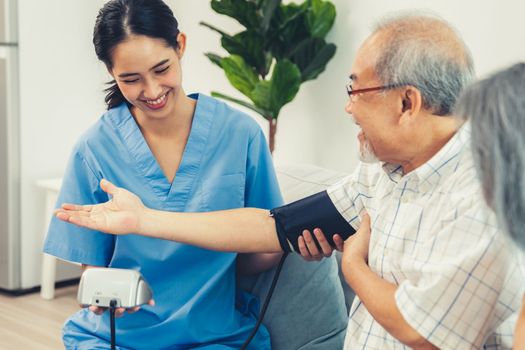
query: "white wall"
61, 82
60, 89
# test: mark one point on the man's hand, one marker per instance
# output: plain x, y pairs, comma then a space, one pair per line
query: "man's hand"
120, 215
309, 250
356, 246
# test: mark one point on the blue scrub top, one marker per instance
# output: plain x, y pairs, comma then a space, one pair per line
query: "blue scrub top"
226, 164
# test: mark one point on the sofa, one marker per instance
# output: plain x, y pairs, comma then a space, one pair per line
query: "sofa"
309, 307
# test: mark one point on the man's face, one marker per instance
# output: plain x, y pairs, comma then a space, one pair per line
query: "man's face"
375, 112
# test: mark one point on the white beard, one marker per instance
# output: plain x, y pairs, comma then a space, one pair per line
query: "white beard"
366, 153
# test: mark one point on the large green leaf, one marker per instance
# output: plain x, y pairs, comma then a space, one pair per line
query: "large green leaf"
214, 58
312, 56
283, 86
250, 46
285, 82
320, 18
240, 75
245, 12
268, 9
247, 44
287, 36
261, 95
291, 29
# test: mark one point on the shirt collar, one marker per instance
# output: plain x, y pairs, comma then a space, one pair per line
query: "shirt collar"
442, 163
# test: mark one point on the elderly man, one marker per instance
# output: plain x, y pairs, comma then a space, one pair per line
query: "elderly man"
434, 272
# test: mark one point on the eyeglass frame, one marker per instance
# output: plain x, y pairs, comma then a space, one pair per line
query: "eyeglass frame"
357, 92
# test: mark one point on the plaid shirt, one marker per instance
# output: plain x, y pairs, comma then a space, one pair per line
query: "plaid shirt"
459, 282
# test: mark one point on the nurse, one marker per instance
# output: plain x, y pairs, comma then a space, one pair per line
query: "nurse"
178, 153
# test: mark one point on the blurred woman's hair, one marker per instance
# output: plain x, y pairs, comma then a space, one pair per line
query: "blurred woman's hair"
496, 108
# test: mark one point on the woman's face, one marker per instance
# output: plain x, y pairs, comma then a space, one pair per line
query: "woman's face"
148, 74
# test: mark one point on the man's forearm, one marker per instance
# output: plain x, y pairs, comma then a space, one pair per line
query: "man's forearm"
245, 230
378, 296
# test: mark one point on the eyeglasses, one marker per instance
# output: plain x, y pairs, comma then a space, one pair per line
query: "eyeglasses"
354, 94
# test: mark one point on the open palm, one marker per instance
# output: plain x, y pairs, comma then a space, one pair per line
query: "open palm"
120, 215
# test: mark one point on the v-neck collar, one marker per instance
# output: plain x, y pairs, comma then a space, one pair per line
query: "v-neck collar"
175, 194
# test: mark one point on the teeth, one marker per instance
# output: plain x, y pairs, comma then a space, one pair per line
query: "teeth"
157, 101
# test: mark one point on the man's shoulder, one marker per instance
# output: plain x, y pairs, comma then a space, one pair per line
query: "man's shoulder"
363, 178
463, 178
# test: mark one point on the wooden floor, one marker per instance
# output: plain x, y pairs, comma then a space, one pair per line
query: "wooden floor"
31, 323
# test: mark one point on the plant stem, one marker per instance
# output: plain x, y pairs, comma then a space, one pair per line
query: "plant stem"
272, 131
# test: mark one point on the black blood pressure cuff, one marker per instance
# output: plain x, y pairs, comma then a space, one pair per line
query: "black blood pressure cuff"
315, 211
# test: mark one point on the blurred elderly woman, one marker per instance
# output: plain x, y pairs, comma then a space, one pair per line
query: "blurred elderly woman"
496, 108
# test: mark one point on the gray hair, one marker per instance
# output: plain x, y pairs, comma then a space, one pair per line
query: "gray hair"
496, 108
427, 53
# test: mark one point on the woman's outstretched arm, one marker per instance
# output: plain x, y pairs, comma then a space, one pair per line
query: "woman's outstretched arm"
238, 230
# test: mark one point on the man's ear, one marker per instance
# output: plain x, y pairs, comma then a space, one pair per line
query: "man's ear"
411, 102
181, 41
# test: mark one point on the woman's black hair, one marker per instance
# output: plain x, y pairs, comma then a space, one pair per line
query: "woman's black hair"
119, 19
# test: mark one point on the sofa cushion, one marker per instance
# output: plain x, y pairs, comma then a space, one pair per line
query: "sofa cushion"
308, 309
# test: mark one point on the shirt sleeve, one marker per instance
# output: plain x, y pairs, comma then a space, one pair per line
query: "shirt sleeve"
349, 195
72, 243
262, 189
466, 269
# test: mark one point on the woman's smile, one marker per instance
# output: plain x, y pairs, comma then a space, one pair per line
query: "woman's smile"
158, 103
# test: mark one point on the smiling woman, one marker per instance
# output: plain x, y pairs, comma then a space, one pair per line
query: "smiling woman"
174, 150
146, 82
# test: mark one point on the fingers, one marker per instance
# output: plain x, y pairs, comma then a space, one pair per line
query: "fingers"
339, 242
310, 250
325, 246
303, 250
133, 309
72, 212
119, 311
68, 210
83, 221
365, 223
62, 215
108, 187
76, 207
97, 310
311, 246
79, 219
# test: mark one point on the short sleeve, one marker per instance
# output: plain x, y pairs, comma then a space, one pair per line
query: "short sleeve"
262, 188
463, 277
348, 195
72, 243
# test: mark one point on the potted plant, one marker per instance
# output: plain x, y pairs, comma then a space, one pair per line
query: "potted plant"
281, 47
